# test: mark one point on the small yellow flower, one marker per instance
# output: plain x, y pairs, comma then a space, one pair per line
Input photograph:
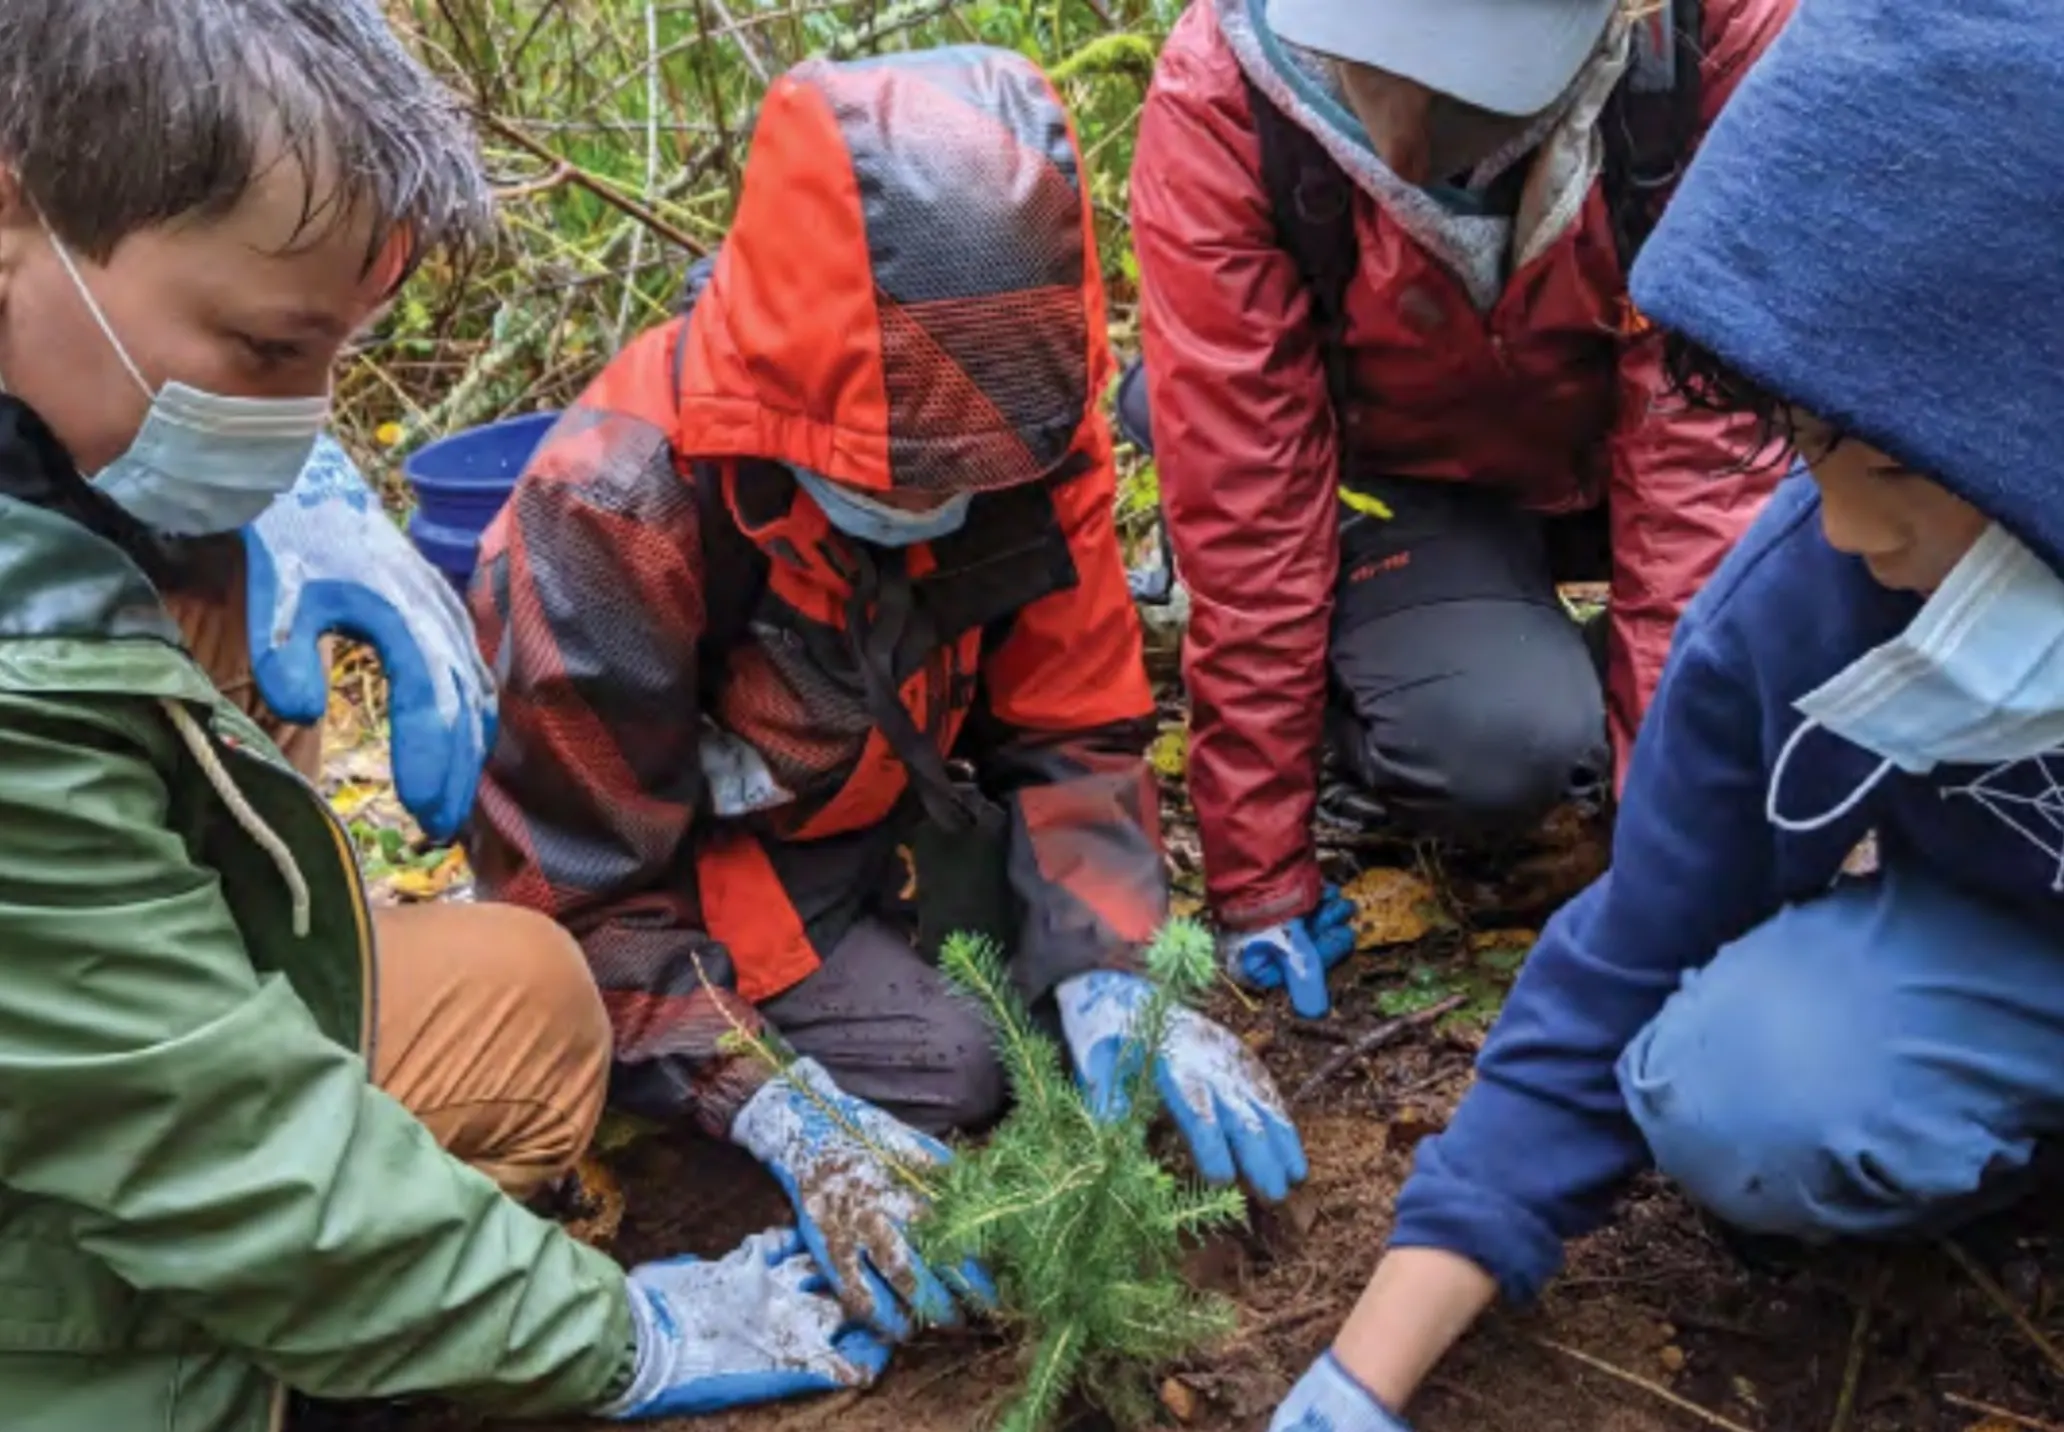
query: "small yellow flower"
388, 435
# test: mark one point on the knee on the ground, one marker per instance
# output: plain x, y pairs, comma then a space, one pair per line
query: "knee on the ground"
1758, 1097
1492, 771
536, 957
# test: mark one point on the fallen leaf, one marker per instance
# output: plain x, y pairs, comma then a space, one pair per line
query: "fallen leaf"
352, 797
1170, 753
429, 882
1392, 907
1301, 1210
1503, 951
618, 1131
598, 1210
1407, 1132
1180, 1401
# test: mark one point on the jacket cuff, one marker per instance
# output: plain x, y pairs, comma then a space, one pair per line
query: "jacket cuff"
1290, 898
1510, 1179
1517, 1249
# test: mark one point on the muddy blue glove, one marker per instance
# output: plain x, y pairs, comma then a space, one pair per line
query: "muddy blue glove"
1222, 1100
1296, 954
760, 1326
1328, 1399
843, 1164
325, 559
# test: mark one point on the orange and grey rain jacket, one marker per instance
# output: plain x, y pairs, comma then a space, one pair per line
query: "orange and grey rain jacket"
721, 718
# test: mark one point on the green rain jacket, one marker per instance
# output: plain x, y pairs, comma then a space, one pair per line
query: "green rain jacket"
203, 1199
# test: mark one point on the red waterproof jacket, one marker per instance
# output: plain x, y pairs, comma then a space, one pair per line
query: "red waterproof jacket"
1547, 394
695, 772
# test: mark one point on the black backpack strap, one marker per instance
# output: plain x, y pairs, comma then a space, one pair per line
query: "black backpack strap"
1313, 202
1651, 123
734, 576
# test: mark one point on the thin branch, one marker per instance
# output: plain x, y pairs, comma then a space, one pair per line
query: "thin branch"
581, 179
1859, 1343
1682, 1404
753, 61
557, 178
1386, 1033
1986, 1409
2006, 1304
652, 100
514, 60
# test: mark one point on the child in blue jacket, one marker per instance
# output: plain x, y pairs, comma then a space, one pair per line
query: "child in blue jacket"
1813, 1042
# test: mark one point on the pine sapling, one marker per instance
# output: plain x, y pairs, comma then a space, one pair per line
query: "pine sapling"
1081, 1227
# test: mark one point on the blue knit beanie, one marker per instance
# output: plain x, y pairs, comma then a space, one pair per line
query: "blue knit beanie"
1873, 230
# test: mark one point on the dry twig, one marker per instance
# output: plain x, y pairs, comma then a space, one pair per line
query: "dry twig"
1986, 1409
2006, 1304
581, 179
1859, 1343
1386, 1033
1654, 1389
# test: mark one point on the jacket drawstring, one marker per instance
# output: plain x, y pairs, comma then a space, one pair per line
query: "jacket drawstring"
240, 809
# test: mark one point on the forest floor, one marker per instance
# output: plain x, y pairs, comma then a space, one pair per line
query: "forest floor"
1655, 1326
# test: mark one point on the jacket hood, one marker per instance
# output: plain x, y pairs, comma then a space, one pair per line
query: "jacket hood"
909, 297
1481, 250
1871, 231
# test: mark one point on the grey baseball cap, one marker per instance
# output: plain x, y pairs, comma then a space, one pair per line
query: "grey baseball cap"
1508, 56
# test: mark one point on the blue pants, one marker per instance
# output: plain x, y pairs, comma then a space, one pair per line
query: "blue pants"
1881, 1060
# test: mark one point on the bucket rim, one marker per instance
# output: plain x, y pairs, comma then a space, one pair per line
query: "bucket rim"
503, 432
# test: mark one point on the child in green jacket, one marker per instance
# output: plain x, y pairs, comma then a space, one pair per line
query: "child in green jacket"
257, 1135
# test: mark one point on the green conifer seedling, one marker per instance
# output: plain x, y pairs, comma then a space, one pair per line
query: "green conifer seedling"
1081, 1227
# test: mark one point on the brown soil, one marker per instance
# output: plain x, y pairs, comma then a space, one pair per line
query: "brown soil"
1656, 1296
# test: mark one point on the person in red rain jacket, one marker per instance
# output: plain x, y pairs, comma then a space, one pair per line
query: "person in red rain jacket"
810, 605
1495, 379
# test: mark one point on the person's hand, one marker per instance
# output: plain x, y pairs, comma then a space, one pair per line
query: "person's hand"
324, 559
1297, 954
760, 1326
854, 1174
1222, 1100
1328, 1399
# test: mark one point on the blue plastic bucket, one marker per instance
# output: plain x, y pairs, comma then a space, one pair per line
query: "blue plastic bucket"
462, 482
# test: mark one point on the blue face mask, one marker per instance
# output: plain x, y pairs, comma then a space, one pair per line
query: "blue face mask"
866, 520
201, 463
1977, 678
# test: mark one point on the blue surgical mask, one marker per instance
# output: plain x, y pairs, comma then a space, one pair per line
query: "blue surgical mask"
202, 463
1977, 678
866, 520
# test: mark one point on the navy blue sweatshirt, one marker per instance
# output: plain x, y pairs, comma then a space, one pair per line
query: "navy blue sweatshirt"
1543, 1141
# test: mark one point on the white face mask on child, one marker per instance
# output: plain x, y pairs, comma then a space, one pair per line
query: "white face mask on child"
1976, 678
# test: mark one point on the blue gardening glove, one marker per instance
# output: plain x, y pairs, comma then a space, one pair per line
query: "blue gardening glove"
833, 1154
1222, 1100
760, 1326
1328, 1399
325, 559
1297, 953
